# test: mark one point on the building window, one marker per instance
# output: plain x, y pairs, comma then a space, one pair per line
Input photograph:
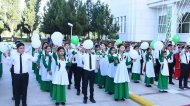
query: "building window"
184, 24
162, 26
121, 24
125, 24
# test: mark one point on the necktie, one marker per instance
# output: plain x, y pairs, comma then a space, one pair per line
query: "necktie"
90, 62
20, 63
186, 58
67, 52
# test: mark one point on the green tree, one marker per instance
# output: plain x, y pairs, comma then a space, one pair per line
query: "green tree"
1, 26
81, 20
2, 15
85, 17
89, 8
37, 20
102, 20
58, 14
30, 19
12, 14
54, 17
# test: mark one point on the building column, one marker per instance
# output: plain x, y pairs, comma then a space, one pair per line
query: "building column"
174, 25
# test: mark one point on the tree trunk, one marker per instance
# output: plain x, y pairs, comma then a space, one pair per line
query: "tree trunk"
88, 35
21, 33
12, 32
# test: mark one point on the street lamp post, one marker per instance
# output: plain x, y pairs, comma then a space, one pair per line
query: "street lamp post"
71, 25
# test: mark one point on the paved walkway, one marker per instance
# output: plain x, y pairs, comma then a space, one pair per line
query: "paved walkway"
36, 97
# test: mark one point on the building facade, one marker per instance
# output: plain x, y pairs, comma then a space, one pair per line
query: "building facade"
142, 20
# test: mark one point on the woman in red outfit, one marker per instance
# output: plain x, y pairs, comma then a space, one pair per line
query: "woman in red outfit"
177, 64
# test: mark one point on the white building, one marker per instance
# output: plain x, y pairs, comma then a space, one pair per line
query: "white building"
147, 19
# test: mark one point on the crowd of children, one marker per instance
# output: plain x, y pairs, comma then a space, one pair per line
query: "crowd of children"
109, 66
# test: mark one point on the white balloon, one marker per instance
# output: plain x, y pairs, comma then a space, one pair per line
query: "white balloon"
188, 41
88, 44
57, 38
133, 54
3, 47
144, 45
158, 45
173, 43
36, 44
73, 46
35, 37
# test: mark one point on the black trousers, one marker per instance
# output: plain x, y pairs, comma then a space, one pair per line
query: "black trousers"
141, 65
79, 78
12, 78
71, 72
20, 86
171, 71
129, 70
88, 79
157, 69
184, 74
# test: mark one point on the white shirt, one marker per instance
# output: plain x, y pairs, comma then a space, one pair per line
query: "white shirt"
86, 63
129, 59
26, 58
170, 60
79, 59
74, 57
68, 55
183, 57
156, 55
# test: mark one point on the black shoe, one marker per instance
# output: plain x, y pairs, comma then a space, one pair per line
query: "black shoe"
123, 99
136, 81
62, 103
165, 91
181, 88
69, 87
24, 104
116, 99
78, 93
57, 104
171, 83
110, 93
92, 100
187, 87
148, 86
13, 98
85, 101
161, 91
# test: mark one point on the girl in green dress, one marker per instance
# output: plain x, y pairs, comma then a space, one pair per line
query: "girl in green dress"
109, 87
46, 69
136, 67
60, 79
103, 66
121, 78
149, 74
164, 72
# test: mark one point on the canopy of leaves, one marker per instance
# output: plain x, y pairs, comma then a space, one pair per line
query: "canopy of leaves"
85, 17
